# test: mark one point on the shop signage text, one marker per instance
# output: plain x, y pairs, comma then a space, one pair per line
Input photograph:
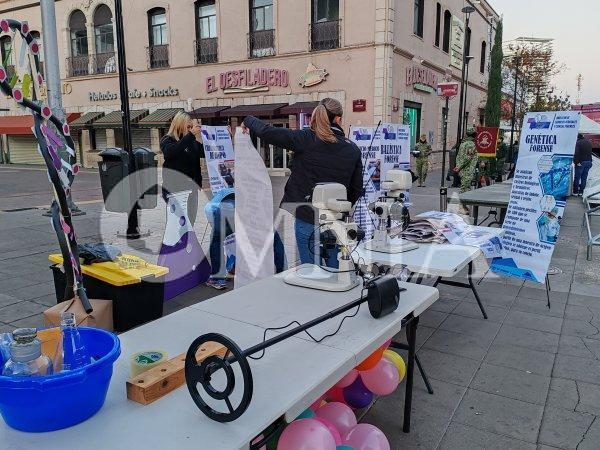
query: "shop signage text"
457, 42
449, 89
423, 76
135, 93
247, 80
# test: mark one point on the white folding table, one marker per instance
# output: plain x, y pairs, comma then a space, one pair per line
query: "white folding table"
440, 261
291, 375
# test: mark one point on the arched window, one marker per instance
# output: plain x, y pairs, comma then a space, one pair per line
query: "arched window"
447, 24
438, 23
206, 32
158, 50
6, 51
418, 14
103, 30
79, 60
483, 57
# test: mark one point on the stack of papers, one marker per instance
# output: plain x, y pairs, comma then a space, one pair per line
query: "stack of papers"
439, 227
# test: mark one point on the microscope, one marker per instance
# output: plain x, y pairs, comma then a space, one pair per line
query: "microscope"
338, 228
390, 207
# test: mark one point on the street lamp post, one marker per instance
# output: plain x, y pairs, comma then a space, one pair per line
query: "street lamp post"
468, 59
468, 10
133, 229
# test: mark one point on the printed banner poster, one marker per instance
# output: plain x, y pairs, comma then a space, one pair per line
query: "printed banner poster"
394, 147
218, 150
487, 141
371, 159
390, 150
539, 194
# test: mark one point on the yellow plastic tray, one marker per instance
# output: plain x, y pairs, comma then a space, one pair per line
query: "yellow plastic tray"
111, 273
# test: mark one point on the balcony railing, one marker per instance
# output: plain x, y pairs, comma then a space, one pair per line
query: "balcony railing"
325, 35
78, 66
158, 56
206, 50
261, 43
104, 63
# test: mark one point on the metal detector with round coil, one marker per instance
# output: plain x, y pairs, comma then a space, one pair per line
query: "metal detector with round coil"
202, 374
24, 84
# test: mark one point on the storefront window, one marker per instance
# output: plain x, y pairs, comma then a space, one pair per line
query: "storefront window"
326, 10
103, 30
261, 15
412, 117
207, 20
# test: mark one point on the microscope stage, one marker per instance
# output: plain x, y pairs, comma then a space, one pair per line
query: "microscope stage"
314, 277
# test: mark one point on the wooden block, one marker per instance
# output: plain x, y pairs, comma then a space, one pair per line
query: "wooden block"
166, 377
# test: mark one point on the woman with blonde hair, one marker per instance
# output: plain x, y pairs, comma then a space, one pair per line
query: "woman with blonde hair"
182, 151
322, 154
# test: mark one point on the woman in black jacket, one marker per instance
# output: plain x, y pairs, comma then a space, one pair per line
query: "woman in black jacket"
322, 154
182, 151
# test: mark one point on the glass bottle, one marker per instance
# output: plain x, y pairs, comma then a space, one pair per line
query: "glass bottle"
26, 359
75, 354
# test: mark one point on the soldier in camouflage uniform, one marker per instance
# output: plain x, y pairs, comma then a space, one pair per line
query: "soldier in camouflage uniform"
501, 155
466, 160
421, 152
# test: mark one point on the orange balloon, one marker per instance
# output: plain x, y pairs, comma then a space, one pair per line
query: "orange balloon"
372, 360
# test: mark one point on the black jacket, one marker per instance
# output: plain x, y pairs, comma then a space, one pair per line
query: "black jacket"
315, 161
182, 156
583, 151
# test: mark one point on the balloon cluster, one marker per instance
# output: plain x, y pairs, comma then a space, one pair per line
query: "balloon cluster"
330, 422
332, 426
379, 374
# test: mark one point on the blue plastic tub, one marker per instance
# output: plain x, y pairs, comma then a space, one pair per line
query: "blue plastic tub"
59, 401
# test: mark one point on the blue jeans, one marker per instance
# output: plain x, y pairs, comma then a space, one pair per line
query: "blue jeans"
308, 243
222, 226
581, 175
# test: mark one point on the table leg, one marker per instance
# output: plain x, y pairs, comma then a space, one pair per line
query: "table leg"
475, 293
475, 214
411, 335
401, 346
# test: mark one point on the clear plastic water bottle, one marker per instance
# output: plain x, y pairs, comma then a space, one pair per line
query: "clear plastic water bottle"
75, 355
26, 359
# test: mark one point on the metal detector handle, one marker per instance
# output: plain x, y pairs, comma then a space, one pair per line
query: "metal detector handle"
84, 300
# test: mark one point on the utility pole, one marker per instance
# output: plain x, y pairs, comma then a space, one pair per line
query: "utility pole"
52, 75
467, 10
133, 229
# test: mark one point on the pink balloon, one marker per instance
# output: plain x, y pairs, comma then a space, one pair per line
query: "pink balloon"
383, 379
366, 437
387, 343
306, 434
332, 429
317, 404
347, 380
339, 415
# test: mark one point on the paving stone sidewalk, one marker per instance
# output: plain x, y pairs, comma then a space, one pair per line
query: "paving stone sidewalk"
527, 378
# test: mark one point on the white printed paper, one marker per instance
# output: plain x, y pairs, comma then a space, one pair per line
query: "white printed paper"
539, 194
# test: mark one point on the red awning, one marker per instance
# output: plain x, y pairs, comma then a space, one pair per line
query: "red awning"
22, 125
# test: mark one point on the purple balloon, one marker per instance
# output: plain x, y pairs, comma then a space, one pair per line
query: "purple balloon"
357, 395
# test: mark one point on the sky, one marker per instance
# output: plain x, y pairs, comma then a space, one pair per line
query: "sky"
574, 25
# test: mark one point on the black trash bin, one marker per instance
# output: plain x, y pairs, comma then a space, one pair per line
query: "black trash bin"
113, 168
146, 177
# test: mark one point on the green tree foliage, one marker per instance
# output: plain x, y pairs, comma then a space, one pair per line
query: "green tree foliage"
494, 98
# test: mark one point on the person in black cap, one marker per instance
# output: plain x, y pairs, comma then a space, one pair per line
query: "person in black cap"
583, 163
322, 154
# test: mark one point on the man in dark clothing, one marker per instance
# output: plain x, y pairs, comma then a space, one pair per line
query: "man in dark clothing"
583, 163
